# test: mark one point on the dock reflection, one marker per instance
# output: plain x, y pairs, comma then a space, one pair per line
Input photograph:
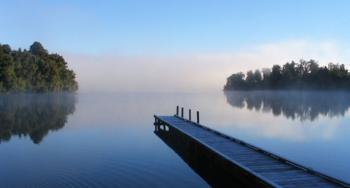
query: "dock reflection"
214, 170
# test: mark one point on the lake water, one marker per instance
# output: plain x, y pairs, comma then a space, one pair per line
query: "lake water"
108, 139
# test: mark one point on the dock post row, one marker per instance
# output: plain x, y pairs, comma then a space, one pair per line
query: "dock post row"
189, 114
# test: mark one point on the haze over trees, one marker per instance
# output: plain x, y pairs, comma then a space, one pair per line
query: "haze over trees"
303, 75
34, 70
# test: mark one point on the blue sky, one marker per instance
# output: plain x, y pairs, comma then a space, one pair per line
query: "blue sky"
147, 26
119, 43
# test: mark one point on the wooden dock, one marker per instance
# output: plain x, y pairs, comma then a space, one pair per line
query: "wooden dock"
254, 166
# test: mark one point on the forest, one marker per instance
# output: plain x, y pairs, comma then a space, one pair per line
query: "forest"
308, 75
34, 70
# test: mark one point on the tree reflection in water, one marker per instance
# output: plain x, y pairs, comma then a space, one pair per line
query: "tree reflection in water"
34, 115
300, 105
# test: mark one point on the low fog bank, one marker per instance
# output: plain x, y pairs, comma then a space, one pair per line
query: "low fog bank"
195, 72
146, 74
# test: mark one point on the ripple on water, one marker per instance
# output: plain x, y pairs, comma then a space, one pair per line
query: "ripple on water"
102, 171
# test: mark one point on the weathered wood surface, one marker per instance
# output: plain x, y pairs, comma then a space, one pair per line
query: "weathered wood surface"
266, 167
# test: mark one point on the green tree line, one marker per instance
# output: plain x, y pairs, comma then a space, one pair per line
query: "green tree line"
292, 75
34, 70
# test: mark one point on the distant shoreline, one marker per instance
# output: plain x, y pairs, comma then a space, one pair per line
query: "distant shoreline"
305, 75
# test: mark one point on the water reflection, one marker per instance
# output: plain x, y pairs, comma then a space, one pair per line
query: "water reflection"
300, 105
214, 170
33, 115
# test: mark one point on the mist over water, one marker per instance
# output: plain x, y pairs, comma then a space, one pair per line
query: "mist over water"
107, 139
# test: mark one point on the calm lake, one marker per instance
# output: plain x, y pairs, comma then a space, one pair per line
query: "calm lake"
108, 139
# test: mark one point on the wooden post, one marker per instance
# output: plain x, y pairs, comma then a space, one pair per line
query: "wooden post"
198, 117
189, 114
177, 110
182, 112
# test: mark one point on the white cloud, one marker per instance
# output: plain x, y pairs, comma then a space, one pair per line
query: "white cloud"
192, 72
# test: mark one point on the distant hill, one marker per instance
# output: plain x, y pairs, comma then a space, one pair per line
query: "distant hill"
306, 75
34, 70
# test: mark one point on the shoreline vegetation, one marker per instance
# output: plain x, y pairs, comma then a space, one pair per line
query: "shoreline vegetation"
34, 70
304, 75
